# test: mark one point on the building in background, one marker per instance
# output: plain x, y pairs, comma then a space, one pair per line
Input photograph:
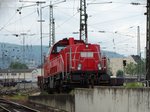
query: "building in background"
24, 75
118, 63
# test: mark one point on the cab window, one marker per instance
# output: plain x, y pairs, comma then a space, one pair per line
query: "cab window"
57, 49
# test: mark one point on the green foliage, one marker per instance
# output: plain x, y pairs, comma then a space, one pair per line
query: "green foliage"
133, 85
17, 97
18, 65
140, 68
130, 68
119, 73
110, 73
135, 69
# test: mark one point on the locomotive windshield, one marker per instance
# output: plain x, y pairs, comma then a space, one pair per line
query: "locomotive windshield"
58, 48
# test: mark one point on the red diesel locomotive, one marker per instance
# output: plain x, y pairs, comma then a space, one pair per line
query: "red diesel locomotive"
73, 63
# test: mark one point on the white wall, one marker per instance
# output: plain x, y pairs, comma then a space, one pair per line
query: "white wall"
112, 100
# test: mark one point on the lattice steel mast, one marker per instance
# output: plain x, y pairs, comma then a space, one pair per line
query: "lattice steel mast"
51, 27
52, 23
83, 21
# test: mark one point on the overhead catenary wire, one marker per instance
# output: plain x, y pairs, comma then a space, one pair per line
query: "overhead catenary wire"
111, 2
25, 7
67, 20
11, 23
13, 33
126, 18
117, 19
92, 0
118, 42
73, 6
8, 22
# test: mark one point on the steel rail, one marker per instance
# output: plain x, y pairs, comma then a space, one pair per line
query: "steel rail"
2, 107
15, 106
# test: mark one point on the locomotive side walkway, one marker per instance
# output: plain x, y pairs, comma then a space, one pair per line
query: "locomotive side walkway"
99, 99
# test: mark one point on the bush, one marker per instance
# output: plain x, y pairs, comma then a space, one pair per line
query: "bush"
119, 73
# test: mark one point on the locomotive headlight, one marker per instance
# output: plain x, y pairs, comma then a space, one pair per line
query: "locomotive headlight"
99, 66
87, 46
79, 66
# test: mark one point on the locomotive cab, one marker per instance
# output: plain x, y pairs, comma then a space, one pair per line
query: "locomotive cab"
55, 50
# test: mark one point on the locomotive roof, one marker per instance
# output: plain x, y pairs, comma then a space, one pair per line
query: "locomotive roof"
65, 41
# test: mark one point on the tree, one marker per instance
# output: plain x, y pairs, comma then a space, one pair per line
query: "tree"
119, 73
18, 65
130, 68
135, 69
140, 67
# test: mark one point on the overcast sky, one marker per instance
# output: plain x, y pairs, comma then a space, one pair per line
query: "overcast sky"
117, 20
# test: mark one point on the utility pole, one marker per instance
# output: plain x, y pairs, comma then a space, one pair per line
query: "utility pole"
83, 21
139, 53
148, 43
24, 58
138, 42
41, 37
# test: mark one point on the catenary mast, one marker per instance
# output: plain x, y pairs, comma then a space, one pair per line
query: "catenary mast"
83, 21
52, 27
52, 22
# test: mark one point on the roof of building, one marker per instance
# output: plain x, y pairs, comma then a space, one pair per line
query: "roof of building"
136, 58
16, 70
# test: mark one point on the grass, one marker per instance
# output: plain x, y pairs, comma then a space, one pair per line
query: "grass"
17, 97
44, 93
133, 85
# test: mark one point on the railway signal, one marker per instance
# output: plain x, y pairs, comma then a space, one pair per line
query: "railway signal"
124, 63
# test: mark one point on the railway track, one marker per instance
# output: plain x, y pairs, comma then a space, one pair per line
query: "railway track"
9, 91
9, 106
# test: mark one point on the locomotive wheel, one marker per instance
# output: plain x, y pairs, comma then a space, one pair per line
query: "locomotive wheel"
92, 83
82, 82
60, 88
50, 91
44, 87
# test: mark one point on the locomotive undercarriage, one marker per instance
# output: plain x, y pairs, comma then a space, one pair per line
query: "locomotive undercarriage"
60, 83
92, 78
